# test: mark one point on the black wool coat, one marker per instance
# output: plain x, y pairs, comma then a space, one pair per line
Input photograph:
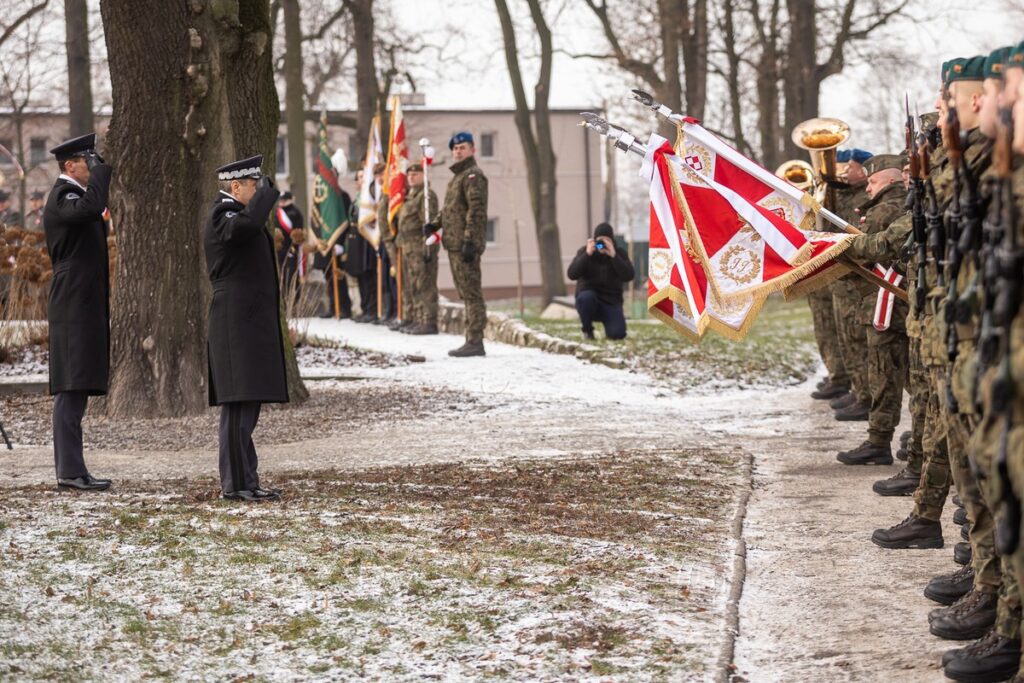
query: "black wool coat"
245, 347
79, 307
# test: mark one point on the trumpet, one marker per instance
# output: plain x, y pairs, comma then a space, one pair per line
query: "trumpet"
820, 137
798, 173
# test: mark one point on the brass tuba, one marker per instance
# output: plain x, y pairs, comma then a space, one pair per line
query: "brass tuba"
821, 137
798, 173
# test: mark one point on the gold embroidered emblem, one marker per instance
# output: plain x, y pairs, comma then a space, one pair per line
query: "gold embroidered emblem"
739, 264
661, 267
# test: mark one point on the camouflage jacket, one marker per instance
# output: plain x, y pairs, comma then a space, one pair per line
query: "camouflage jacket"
464, 216
411, 217
886, 206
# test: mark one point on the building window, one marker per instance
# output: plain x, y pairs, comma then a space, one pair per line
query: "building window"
4, 159
487, 145
282, 155
37, 151
491, 231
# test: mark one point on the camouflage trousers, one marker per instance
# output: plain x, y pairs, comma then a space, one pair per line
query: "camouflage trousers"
887, 376
1015, 465
919, 386
933, 488
419, 282
852, 341
467, 282
826, 335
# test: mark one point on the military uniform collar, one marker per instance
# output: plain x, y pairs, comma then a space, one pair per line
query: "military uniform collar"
227, 197
69, 179
886, 190
460, 166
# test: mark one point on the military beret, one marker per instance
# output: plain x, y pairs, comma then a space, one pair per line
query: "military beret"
4, 196
286, 195
415, 168
882, 162
74, 147
243, 168
460, 137
38, 195
972, 69
845, 156
1016, 57
995, 63
944, 71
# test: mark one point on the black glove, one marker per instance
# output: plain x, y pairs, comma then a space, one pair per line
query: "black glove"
430, 228
92, 159
264, 181
468, 251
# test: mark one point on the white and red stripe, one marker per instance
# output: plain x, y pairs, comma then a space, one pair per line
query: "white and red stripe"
886, 300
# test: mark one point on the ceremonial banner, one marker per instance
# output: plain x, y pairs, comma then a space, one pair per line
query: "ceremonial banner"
750, 231
369, 192
398, 160
329, 212
677, 288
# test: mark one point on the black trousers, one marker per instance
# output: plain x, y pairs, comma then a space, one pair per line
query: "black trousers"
592, 309
238, 460
68, 409
368, 292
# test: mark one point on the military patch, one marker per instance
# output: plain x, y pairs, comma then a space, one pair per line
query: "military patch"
230, 214
72, 195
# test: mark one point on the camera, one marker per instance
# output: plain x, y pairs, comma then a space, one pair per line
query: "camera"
599, 246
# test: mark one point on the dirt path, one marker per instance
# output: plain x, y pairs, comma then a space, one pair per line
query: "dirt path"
820, 601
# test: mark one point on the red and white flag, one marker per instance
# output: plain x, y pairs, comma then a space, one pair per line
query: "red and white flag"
886, 300
677, 287
750, 231
369, 192
398, 161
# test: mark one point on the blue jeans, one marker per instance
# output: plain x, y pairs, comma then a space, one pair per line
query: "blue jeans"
592, 309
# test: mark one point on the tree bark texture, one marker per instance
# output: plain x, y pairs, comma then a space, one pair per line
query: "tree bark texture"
294, 104
367, 88
76, 19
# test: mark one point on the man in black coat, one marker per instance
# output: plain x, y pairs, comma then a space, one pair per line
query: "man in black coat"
79, 307
600, 272
245, 347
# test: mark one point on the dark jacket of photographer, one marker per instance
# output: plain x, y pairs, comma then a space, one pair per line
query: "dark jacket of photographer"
605, 275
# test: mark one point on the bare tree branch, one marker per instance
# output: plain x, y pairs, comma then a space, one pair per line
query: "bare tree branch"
31, 12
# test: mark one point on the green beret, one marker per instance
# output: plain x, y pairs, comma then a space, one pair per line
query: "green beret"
1016, 58
996, 62
415, 168
882, 162
972, 69
944, 71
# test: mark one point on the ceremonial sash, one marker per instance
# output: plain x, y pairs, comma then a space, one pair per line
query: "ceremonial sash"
283, 220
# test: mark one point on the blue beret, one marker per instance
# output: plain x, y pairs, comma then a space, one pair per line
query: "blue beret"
462, 136
845, 156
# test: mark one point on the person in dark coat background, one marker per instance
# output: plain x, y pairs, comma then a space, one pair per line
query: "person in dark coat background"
600, 272
361, 262
245, 346
79, 306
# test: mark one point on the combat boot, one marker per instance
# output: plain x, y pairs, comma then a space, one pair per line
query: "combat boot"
962, 553
422, 328
821, 383
905, 438
993, 658
904, 483
965, 531
913, 532
971, 617
902, 454
855, 412
956, 500
949, 588
866, 454
843, 401
960, 516
468, 349
830, 391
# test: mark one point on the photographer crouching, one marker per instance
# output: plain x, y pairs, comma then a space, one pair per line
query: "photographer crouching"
600, 272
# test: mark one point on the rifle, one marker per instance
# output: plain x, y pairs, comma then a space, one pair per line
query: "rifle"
954, 257
936, 228
1010, 267
918, 224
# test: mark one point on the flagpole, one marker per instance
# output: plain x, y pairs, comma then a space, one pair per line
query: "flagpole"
334, 276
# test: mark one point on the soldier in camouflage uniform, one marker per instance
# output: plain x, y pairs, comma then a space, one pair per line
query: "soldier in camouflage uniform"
419, 262
851, 202
887, 348
826, 334
464, 225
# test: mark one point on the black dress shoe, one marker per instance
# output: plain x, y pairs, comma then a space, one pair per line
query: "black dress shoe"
913, 532
962, 553
254, 496
960, 516
993, 658
949, 588
86, 482
969, 618
904, 483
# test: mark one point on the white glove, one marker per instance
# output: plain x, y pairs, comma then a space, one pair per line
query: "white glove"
338, 250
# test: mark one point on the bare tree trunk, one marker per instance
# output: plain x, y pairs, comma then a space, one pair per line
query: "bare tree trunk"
801, 84
76, 19
294, 104
539, 149
367, 88
733, 75
695, 56
194, 81
768, 95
